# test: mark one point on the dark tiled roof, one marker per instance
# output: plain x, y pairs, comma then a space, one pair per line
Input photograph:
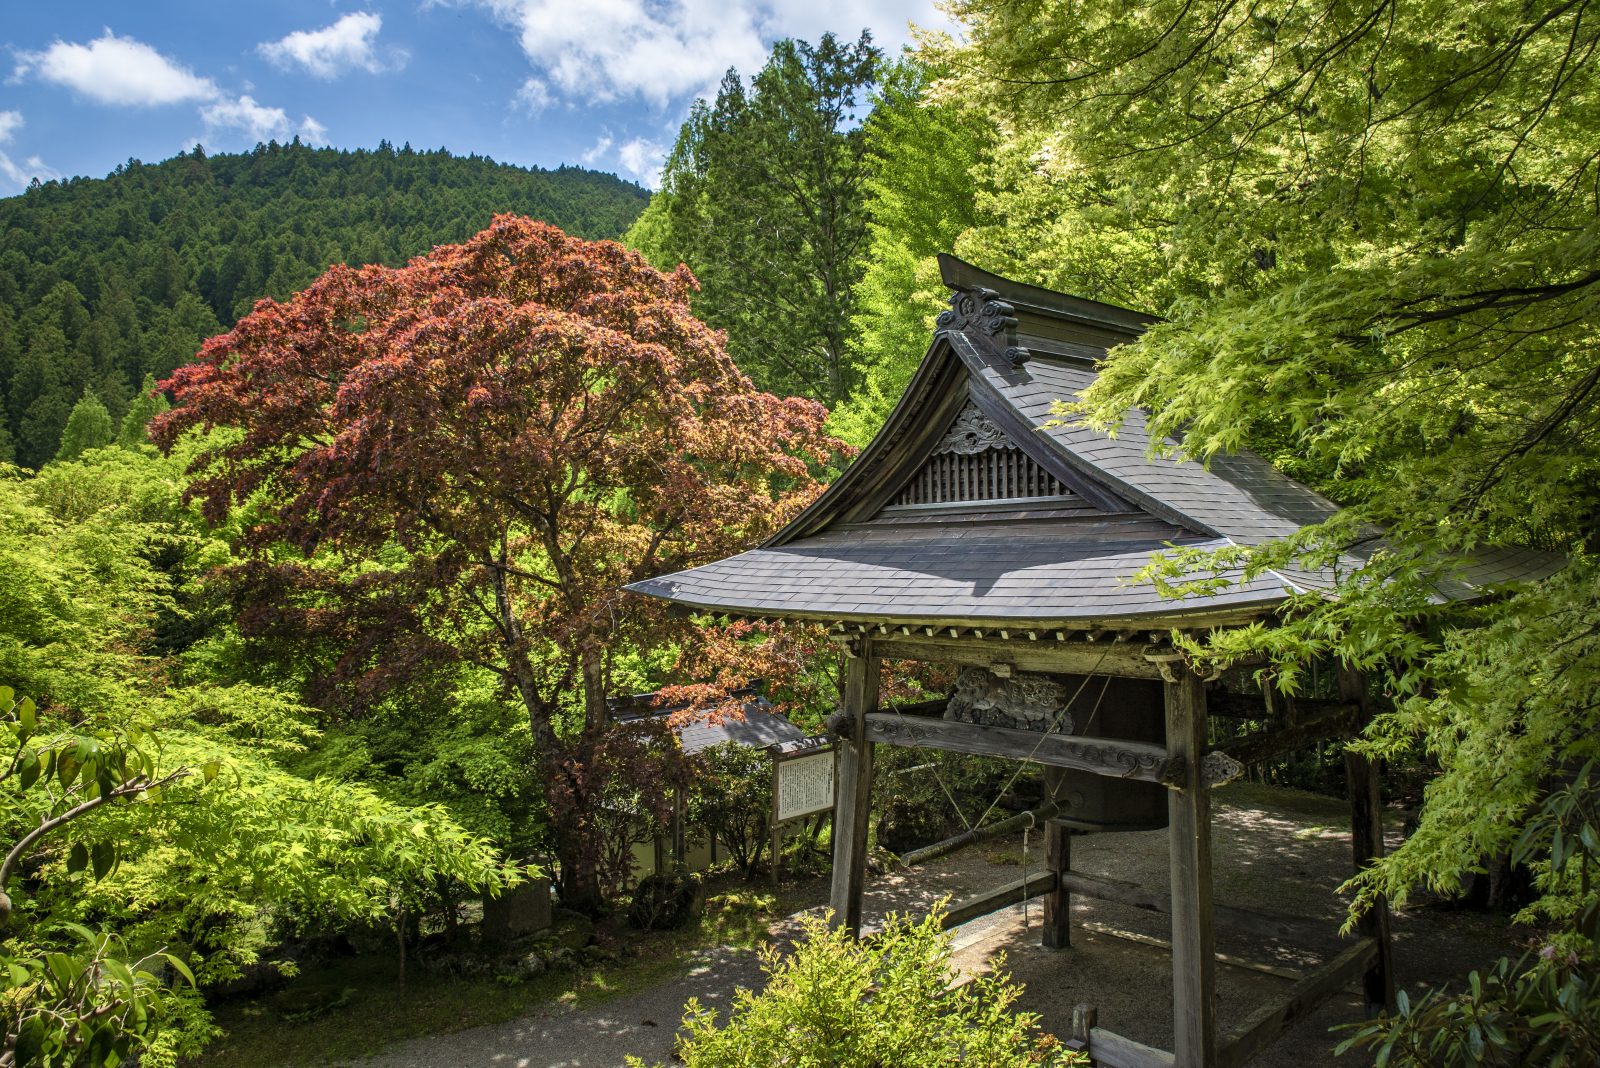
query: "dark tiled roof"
844, 558
1038, 572
1240, 496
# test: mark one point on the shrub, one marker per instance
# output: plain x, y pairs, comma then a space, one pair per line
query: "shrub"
667, 900
845, 1003
1534, 1011
731, 798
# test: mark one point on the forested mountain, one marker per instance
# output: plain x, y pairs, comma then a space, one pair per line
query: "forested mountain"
103, 281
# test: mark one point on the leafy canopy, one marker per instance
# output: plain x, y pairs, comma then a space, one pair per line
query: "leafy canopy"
1373, 232
467, 458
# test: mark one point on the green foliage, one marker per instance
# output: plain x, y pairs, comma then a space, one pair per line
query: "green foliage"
923, 795
845, 1003
1535, 1011
1545, 1008
145, 406
1510, 709
1364, 228
731, 798
88, 427
105, 281
87, 1005
762, 198
51, 780
922, 189
100, 565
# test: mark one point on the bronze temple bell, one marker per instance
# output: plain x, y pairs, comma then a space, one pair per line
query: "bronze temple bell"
1091, 706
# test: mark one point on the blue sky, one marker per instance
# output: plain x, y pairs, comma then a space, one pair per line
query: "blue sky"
602, 83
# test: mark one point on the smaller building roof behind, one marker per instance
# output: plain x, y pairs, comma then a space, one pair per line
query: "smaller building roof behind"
758, 726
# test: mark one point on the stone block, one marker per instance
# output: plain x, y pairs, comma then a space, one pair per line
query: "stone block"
520, 911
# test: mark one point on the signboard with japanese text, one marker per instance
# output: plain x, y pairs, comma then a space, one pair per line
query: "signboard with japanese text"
803, 784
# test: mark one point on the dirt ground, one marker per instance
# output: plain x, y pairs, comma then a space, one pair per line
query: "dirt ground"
1275, 850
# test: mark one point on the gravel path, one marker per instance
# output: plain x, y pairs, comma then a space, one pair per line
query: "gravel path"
1274, 850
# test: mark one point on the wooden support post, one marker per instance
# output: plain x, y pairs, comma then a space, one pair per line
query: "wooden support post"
680, 847
1366, 839
1084, 1018
1058, 902
854, 803
1194, 966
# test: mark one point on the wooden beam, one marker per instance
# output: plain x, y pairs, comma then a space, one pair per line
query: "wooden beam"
854, 803
1268, 925
1263, 1027
1058, 902
1011, 893
1194, 963
1366, 840
1120, 759
979, 834
1114, 1051
1063, 657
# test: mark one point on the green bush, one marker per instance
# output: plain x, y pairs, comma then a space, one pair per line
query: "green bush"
888, 1000
731, 798
1534, 1011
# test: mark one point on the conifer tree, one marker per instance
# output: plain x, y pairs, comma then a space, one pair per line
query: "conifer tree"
763, 199
88, 427
148, 404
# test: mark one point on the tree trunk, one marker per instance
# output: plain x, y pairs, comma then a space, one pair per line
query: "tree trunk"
565, 788
580, 868
578, 842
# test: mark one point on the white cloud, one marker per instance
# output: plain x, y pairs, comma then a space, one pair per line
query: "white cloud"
597, 151
116, 70
534, 96
659, 51
664, 51
313, 132
643, 159
348, 44
257, 121
20, 175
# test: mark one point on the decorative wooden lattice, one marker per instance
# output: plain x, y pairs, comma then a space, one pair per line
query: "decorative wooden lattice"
975, 461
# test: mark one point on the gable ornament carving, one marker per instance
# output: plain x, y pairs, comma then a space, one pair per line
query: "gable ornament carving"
980, 311
972, 433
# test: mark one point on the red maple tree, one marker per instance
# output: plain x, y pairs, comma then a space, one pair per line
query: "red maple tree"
471, 455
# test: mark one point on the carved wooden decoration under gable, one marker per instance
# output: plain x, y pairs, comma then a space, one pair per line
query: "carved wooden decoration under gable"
1026, 702
971, 433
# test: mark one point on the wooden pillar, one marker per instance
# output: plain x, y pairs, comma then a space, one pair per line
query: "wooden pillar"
680, 855
1366, 840
1058, 902
1194, 980
854, 802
